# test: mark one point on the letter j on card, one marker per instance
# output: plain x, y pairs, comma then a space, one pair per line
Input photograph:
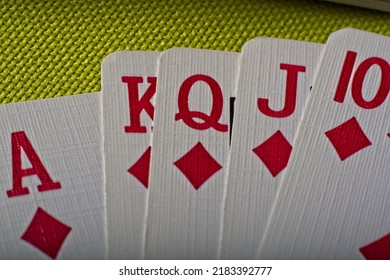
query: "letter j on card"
274, 83
334, 201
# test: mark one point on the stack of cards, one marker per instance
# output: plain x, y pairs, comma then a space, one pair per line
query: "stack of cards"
281, 151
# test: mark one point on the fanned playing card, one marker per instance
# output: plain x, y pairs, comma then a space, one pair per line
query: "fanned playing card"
274, 83
190, 153
334, 201
51, 185
129, 86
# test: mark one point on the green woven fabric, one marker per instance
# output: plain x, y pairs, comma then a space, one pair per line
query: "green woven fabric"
55, 48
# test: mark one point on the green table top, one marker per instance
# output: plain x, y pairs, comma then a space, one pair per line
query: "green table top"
55, 48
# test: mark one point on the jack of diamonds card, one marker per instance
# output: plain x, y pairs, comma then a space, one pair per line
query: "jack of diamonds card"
51, 185
273, 86
190, 153
334, 201
129, 85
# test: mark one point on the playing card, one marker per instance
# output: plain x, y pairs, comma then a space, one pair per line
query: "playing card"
334, 200
274, 83
129, 86
190, 152
380, 5
51, 185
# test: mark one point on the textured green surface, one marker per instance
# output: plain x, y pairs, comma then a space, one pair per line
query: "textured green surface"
54, 48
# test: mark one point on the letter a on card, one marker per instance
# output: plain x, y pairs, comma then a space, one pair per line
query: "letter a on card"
129, 86
334, 201
51, 183
274, 83
190, 153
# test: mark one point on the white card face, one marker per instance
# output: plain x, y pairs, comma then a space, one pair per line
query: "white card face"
190, 152
129, 86
51, 183
274, 83
334, 200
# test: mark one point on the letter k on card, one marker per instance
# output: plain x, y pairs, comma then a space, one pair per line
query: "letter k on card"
129, 86
190, 153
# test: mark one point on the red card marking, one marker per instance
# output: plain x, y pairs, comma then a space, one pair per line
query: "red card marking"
377, 250
46, 233
348, 138
140, 169
19, 141
274, 153
197, 165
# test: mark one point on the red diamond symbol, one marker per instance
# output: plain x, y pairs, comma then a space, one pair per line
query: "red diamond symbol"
197, 165
348, 138
46, 233
140, 169
377, 250
388, 134
274, 153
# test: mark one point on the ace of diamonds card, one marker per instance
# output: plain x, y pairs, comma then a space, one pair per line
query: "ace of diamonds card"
51, 187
